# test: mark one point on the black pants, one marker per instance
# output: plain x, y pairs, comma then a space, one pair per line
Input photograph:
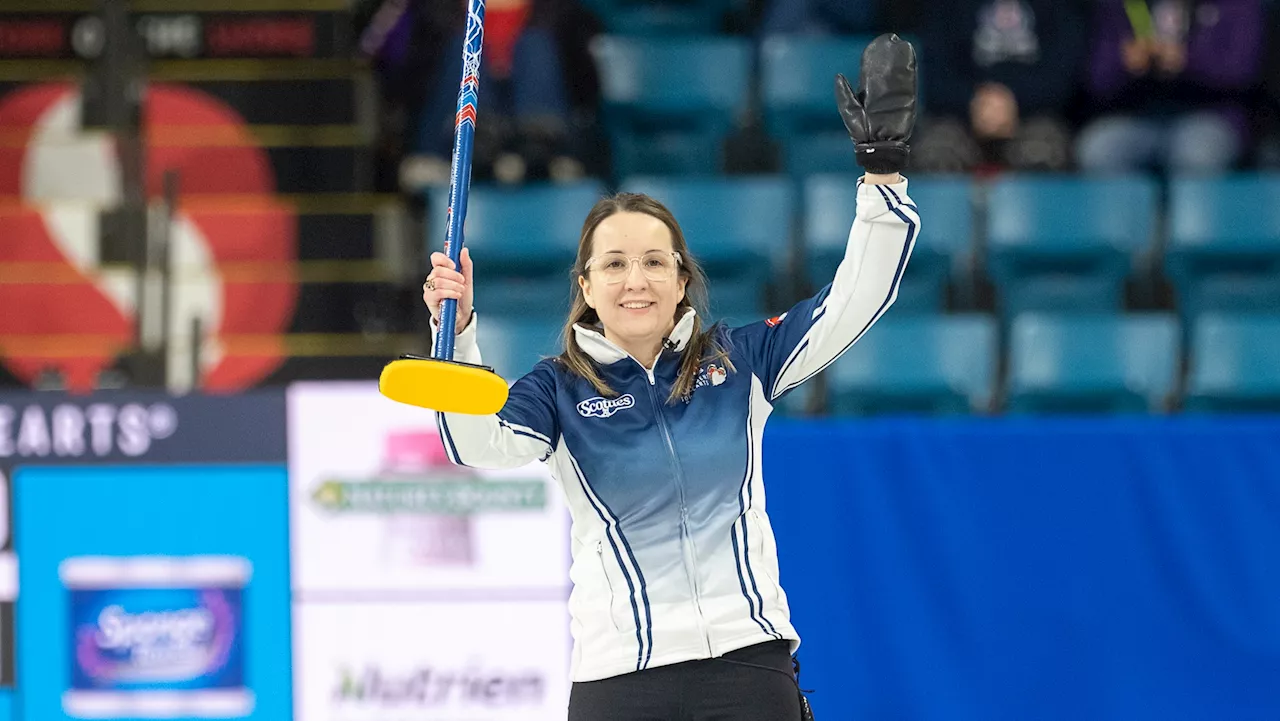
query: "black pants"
717, 689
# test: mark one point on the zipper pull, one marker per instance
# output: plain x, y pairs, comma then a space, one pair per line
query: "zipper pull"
599, 548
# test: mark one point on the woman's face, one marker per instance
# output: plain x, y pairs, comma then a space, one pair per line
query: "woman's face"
627, 283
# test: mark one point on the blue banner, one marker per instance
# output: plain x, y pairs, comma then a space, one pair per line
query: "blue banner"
156, 592
142, 427
1055, 570
121, 427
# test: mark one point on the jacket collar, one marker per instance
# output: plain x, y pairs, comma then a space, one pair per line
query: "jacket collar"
603, 351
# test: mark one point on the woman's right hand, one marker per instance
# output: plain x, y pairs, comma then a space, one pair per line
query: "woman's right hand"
444, 281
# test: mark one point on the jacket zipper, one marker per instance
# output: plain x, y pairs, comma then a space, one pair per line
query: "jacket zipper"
688, 554
600, 555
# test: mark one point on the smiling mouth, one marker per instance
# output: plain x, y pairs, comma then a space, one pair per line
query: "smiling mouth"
637, 305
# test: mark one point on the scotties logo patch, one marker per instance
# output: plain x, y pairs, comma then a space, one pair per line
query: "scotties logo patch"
604, 407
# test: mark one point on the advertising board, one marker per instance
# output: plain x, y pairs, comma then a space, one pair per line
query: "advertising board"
377, 506
487, 661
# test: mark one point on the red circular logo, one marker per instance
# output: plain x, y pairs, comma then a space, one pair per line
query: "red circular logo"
234, 244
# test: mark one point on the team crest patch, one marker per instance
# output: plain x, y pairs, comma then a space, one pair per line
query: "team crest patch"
716, 374
712, 375
776, 320
604, 407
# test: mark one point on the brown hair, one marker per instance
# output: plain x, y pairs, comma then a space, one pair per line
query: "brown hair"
702, 345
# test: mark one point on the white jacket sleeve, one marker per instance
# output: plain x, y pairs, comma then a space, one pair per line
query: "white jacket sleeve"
524, 431
789, 350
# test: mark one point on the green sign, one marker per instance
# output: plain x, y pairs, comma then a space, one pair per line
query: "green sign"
429, 496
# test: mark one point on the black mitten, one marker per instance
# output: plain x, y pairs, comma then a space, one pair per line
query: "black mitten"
881, 115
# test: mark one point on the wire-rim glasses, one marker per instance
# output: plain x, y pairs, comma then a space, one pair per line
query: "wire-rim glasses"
656, 265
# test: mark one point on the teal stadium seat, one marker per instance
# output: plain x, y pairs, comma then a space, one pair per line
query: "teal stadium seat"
512, 346
670, 103
1066, 243
739, 229
1235, 363
524, 241
797, 87
946, 214
1224, 243
1092, 363
917, 364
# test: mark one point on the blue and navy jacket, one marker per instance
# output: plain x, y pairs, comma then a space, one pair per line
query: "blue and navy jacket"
673, 554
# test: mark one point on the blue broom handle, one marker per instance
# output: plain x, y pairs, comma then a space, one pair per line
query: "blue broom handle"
464, 136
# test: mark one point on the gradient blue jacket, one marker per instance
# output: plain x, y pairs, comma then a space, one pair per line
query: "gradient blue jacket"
673, 554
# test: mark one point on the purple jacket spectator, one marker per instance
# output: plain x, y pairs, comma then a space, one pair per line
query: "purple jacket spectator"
1224, 41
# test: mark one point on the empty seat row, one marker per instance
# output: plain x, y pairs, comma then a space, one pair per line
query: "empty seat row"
668, 104
1049, 243
1066, 242
1062, 363
1056, 363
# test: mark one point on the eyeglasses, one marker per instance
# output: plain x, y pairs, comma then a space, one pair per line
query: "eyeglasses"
657, 265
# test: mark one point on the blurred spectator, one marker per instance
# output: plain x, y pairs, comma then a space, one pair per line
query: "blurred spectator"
820, 17
1269, 148
1170, 83
997, 76
527, 102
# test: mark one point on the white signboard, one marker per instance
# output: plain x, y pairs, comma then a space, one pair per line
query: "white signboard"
377, 507
490, 661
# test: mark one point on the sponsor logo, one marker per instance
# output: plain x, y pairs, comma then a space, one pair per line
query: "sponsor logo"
472, 686
161, 633
427, 503
429, 495
604, 407
69, 430
213, 239
776, 320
